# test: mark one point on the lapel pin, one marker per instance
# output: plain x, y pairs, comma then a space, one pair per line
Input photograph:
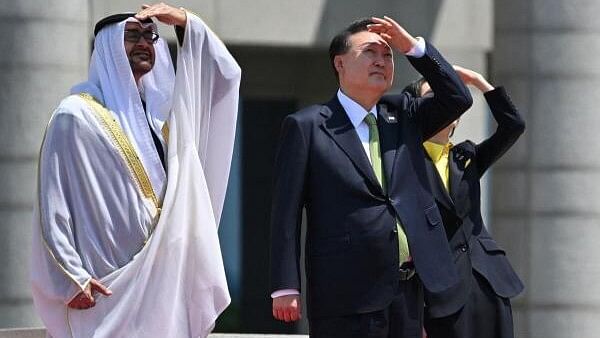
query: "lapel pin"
390, 118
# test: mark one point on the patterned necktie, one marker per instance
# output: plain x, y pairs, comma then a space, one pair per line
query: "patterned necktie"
375, 153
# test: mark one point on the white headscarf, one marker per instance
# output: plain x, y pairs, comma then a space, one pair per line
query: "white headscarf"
112, 83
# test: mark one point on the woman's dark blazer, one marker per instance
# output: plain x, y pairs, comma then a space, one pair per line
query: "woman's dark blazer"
472, 246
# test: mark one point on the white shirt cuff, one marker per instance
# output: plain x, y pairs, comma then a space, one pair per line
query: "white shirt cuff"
418, 49
284, 292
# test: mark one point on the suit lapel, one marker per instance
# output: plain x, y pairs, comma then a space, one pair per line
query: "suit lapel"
456, 162
338, 126
437, 185
387, 124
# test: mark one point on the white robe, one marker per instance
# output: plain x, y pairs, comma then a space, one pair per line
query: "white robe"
93, 221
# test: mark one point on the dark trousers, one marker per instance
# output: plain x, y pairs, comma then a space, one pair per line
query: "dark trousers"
403, 318
485, 315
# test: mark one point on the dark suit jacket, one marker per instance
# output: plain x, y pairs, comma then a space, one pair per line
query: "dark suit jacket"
351, 242
472, 246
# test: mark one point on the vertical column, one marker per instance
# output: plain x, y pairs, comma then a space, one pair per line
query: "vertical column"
44, 50
546, 212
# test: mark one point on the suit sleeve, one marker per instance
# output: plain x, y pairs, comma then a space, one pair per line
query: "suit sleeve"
451, 97
510, 127
289, 191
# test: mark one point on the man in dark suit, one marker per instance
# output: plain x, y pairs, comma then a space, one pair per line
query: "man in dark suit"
481, 306
357, 165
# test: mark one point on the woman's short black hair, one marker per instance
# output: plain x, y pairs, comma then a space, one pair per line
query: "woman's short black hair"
414, 88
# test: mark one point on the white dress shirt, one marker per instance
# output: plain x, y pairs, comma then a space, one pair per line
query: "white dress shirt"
356, 113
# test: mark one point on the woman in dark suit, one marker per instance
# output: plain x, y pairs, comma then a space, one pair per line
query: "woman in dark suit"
480, 308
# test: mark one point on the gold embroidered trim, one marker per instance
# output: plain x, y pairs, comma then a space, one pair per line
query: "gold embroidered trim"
60, 264
165, 132
125, 148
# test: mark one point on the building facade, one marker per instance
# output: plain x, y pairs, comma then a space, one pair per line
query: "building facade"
541, 207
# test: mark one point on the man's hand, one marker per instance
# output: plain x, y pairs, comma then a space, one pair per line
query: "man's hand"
393, 33
287, 308
470, 77
164, 13
85, 299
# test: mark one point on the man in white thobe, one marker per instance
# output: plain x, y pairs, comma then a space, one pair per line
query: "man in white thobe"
132, 178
